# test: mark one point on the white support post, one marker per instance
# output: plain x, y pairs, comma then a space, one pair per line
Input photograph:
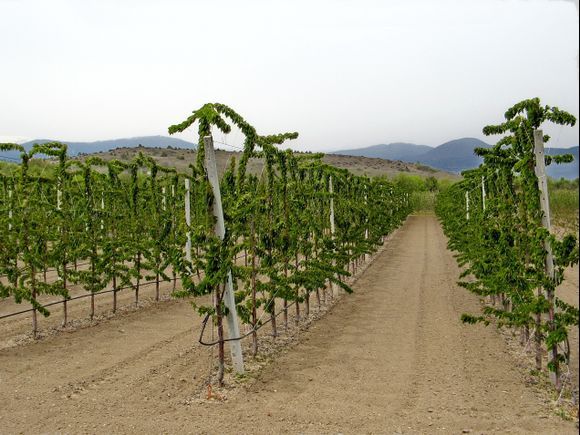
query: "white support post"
331, 190
58, 202
333, 288
483, 191
188, 219
220, 231
102, 209
163, 199
540, 170
467, 205
367, 256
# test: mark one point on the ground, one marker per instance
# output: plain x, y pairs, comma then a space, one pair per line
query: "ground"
393, 357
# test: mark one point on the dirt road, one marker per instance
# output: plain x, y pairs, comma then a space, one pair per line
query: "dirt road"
391, 358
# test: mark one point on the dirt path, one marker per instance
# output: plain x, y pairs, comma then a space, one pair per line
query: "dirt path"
391, 358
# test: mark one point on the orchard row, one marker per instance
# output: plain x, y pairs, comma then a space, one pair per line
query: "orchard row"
497, 220
301, 223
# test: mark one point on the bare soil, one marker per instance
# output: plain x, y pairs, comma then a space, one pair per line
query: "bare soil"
391, 358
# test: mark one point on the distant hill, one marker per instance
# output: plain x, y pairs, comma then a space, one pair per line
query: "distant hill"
370, 167
454, 156
76, 148
405, 152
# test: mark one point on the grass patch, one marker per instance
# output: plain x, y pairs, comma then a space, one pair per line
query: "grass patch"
423, 202
564, 208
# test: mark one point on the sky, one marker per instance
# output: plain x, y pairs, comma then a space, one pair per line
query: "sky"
343, 73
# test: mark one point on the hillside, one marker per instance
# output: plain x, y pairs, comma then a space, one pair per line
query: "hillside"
76, 148
181, 158
406, 152
454, 156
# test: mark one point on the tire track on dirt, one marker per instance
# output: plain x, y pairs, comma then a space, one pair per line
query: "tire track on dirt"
395, 357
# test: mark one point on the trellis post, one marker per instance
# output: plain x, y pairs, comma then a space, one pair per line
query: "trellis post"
220, 231
188, 218
540, 170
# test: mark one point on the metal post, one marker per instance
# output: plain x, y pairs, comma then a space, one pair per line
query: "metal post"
467, 205
220, 231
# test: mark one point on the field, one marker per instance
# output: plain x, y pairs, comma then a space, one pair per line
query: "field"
392, 357
564, 200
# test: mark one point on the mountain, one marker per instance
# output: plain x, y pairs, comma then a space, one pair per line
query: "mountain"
405, 152
76, 148
452, 156
455, 156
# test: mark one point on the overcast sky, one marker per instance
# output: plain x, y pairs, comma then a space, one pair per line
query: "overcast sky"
343, 73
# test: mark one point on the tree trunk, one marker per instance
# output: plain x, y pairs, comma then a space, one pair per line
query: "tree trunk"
34, 317
524, 335
272, 310
64, 303
538, 339
114, 293
157, 287
93, 273
220, 329
253, 283
554, 348
297, 294
138, 266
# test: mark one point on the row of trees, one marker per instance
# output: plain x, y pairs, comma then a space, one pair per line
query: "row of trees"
496, 223
302, 226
